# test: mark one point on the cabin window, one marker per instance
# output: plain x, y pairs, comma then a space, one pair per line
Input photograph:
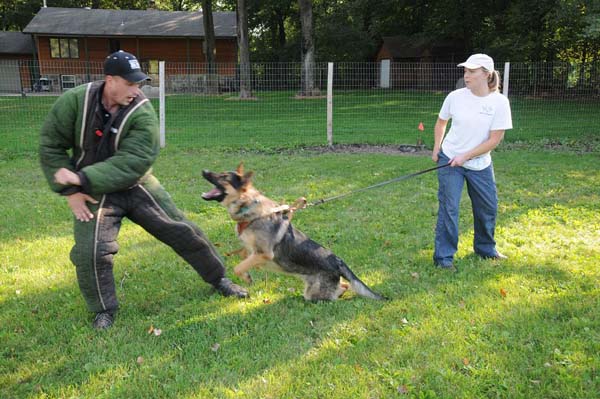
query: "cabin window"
64, 47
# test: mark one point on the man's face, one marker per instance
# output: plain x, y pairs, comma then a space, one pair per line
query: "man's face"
120, 91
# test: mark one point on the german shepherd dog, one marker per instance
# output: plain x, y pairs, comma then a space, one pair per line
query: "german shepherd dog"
272, 243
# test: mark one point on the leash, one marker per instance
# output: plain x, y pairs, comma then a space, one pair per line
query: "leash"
301, 202
397, 179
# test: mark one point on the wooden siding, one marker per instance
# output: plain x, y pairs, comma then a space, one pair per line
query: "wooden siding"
95, 49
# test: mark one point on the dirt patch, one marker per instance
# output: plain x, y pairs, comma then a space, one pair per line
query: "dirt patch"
402, 149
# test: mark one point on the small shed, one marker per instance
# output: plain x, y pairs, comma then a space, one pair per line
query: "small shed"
16, 60
408, 61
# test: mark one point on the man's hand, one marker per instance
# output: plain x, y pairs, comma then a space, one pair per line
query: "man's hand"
65, 177
77, 203
435, 155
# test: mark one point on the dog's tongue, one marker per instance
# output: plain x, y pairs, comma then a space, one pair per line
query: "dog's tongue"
215, 192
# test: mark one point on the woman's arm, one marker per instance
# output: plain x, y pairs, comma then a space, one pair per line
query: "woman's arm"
438, 134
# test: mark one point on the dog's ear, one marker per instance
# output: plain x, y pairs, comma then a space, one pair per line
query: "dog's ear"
240, 169
247, 179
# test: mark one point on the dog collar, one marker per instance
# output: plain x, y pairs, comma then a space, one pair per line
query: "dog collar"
240, 227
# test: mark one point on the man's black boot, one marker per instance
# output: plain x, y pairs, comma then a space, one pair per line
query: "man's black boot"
103, 320
227, 288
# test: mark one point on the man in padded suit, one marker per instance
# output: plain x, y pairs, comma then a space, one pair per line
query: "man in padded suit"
112, 131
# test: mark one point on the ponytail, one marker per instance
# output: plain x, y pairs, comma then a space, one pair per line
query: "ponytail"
493, 80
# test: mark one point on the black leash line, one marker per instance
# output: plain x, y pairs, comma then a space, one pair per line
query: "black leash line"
397, 179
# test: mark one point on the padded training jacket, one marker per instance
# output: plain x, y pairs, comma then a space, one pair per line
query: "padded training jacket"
72, 125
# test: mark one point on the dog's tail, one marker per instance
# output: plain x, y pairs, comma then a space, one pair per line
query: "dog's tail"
357, 285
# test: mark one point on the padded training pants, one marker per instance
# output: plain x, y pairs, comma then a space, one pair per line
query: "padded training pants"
150, 206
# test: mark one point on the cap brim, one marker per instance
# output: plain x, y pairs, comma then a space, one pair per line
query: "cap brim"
136, 77
469, 65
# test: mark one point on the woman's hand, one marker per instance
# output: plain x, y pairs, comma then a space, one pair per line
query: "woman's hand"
459, 160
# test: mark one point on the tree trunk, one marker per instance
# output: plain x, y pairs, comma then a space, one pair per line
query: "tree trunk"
242, 37
212, 79
309, 88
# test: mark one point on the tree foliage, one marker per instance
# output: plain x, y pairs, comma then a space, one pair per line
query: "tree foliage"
517, 30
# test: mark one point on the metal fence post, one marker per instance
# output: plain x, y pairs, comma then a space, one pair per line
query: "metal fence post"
161, 100
330, 104
506, 78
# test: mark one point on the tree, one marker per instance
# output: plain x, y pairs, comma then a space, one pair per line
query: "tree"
308, 88
212, 81
243, 48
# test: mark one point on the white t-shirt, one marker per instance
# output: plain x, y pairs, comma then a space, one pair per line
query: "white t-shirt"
473, 118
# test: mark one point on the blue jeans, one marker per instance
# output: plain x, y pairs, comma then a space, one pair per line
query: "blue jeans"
481, 186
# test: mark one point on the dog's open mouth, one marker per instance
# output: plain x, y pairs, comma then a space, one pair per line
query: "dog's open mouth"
213, 194
217, 193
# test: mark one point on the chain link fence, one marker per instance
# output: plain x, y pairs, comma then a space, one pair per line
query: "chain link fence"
374, 103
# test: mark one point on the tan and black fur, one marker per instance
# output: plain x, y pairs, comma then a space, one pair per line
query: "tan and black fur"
272, 243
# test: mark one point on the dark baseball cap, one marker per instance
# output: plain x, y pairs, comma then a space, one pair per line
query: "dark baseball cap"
125, 65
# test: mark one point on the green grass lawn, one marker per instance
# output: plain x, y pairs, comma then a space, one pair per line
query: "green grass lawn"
528, 327
277, 120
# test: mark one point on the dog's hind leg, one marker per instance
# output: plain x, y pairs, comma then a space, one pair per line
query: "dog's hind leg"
323, 287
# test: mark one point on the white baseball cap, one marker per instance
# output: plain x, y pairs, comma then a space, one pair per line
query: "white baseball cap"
479, 61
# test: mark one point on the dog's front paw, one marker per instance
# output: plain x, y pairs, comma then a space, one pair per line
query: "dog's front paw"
243, 275
247, 278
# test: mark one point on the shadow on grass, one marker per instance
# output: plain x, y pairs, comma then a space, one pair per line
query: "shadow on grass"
218, 346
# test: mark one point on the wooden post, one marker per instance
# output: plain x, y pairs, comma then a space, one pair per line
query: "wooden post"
506, 78
161, 99
330, 104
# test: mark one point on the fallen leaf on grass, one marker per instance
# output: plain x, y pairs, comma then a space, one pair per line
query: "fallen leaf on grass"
215, 347
403, 390
415, 275
465, 361
266, 301
155, 331
503, 292
140, 360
